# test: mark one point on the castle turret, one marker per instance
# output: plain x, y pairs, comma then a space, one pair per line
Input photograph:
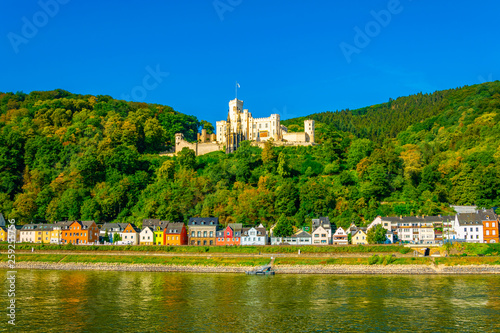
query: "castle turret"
309, 129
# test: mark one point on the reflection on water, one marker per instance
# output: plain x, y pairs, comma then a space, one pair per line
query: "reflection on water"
86, 301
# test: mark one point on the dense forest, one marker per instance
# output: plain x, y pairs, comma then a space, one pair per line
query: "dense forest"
66, 156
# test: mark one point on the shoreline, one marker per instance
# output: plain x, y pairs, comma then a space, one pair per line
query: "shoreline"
282, 269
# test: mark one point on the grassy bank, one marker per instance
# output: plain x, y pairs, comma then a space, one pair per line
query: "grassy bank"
124, 259
215, 261
217, 249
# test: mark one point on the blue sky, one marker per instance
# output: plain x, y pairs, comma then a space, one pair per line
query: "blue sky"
290, 57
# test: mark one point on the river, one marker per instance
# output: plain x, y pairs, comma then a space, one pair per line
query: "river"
104, 301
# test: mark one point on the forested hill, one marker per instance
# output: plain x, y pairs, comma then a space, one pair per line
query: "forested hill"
387, 120
65, 156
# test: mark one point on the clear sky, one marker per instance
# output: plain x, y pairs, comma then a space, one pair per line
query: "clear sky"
290, 57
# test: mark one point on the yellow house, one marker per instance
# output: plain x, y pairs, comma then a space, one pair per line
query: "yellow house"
45, 232
359, 237
3, 234
55, 235
159, 236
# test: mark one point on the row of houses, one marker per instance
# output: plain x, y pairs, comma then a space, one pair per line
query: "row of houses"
468, 225
471, 225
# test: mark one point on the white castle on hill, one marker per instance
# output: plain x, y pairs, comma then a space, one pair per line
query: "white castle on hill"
241, 125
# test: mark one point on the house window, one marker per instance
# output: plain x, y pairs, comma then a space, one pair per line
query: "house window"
204, 234
211, 234
477, 229
487, 224
199, 233
487, 232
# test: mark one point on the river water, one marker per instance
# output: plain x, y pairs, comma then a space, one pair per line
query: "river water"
91, 301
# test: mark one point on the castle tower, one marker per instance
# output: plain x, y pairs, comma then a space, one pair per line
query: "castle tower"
309, 129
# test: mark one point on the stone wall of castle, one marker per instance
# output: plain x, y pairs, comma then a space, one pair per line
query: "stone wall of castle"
200, 148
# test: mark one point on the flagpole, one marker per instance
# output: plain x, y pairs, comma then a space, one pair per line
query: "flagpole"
236, 90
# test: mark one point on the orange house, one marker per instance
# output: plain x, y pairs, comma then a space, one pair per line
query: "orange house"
81, 233
490, 231
175, 234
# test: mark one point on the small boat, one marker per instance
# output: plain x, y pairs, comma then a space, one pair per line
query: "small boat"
266, 270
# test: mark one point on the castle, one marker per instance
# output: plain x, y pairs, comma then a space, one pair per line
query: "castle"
241, 125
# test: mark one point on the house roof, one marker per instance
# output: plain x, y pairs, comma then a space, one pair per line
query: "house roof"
150, 228
110, 226
487, 215
322, 221
30, 226
469, 219
154, 223
359, 231
198, 221
174, 228
235, 226
302, 233
416, 219
87, 224
260, 230
63, 224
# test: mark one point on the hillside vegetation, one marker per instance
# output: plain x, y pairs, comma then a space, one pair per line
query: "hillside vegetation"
66, 156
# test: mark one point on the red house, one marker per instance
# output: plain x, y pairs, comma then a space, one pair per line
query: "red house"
230, 235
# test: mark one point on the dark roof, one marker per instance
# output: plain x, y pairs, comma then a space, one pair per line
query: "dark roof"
175, 228
109, 226
87, 223
203, 221
235, 226
469, 219
154, 223
30, 227
323, 221
416, 219
260, 231
487, 215
302, 233
148, 227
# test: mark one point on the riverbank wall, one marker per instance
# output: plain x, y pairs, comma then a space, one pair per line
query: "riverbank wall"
284, 269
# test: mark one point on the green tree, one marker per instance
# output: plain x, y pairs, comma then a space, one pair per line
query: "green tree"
207, 126
284, 227
268, 155
187, 158
106, 236
283, 169
376, 235
117, 237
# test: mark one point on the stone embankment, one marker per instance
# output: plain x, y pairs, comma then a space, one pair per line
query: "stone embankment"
388, 269
285, 269
127, 267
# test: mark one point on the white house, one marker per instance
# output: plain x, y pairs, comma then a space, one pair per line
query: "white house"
340, 237
112, 229
321, 236
299, 238
147, 236
29, 233
469, 227
322, 231
254, 236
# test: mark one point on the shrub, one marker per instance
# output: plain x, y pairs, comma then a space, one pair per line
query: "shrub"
373, 259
